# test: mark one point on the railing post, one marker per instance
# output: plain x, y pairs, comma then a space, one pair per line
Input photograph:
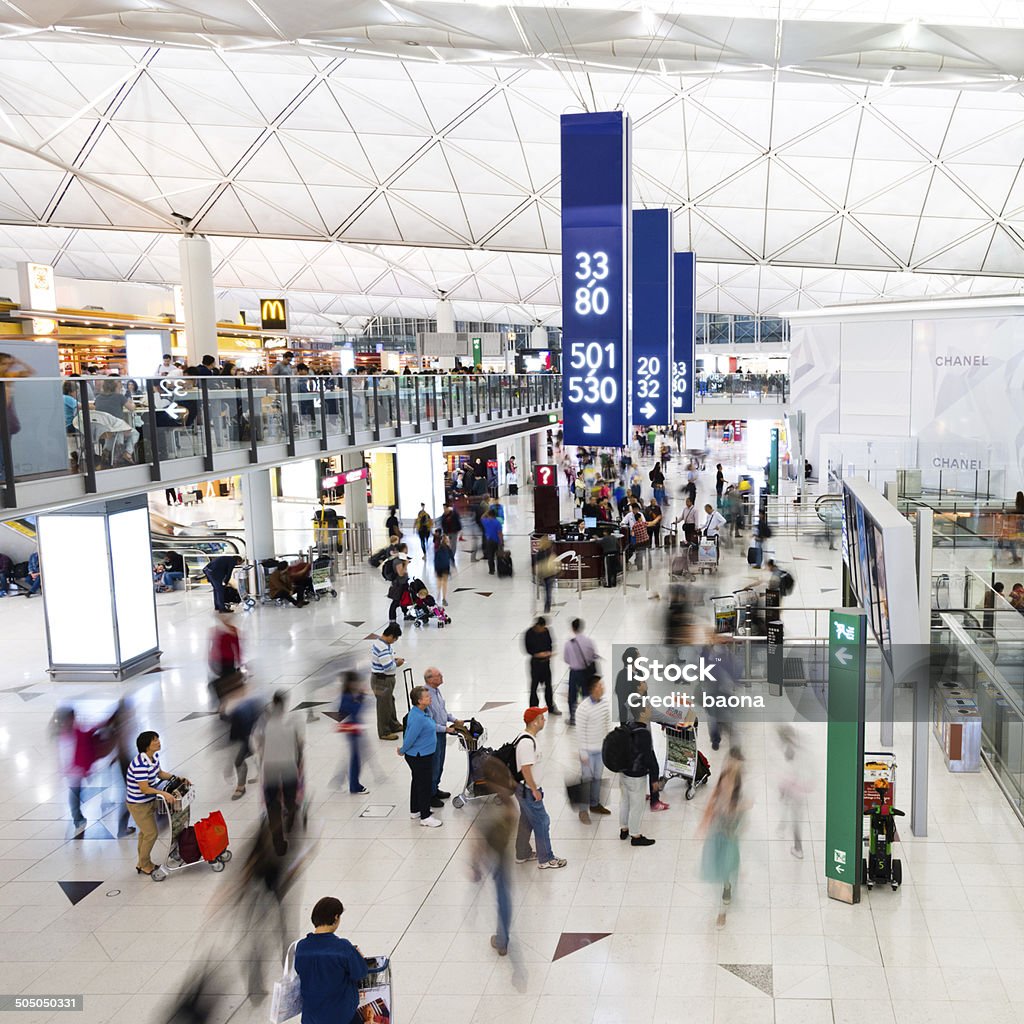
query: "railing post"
434, 402
253, 449
350, 401
204, 405
152, 433
419, 411
322, 392
7, 449
376, 411
289, 413
87, 448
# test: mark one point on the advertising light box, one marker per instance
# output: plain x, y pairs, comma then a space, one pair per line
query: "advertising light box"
652, 317
684, 332
596, 266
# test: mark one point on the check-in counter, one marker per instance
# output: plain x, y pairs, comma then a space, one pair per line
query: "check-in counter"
591, 554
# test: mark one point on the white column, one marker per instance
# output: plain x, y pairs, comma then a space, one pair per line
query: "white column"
258, 508
356, 509
445, 317
200, 306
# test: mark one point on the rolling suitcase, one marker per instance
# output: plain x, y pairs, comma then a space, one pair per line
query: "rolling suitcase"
503, 563
754, 556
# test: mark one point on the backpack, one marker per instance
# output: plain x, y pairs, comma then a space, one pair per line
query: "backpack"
387, 570
786, 582
617, 750
506, 754
424, 523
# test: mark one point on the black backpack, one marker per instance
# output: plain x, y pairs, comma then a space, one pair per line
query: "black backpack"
786, 582
617, 750
506, 754
387, 570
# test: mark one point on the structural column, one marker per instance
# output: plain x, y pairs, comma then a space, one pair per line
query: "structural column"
258, 507
200, 306
356, 508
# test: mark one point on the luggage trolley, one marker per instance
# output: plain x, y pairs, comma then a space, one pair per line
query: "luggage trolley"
725, 610
707, 555
472, 740
878, 767
241, 578
682, 758
376, 998
320, 576
206, 841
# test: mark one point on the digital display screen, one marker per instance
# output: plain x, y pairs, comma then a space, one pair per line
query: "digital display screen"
652, 317
590, 522
596, 268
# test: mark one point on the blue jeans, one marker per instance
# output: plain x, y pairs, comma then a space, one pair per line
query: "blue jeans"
170, 578
592, 771
501, 888
533, 817
354, 763
577, 678
438, 766
549, 586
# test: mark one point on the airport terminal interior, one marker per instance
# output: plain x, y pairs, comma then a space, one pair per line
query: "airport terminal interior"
511, 513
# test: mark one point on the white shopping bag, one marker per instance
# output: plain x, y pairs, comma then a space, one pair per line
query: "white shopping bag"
286, 1001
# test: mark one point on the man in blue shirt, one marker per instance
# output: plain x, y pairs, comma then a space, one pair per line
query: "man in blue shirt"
329, 969
493, 538
444, 722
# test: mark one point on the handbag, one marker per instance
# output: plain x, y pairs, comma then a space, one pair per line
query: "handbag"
286, 1001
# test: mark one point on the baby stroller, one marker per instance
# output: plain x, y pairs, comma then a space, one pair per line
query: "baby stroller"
425, 608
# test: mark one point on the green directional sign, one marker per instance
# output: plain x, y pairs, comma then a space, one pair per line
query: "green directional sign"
773, 463
478, 351
844, 787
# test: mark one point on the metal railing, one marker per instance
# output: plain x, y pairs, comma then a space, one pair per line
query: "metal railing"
742, 387
84, 427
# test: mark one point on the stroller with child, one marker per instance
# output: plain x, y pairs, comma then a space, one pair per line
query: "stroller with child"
424, 607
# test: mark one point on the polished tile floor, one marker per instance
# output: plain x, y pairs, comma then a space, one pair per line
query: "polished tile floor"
619, 935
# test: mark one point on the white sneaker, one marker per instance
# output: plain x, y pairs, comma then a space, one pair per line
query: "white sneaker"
555, 862
431, 822
415, 816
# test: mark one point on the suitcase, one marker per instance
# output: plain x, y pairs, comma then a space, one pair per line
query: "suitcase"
503, 563
513, 490
754, 556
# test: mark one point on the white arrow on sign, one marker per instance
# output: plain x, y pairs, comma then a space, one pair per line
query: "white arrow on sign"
591, 423
647, 411
843, 656
839, 869
173, 409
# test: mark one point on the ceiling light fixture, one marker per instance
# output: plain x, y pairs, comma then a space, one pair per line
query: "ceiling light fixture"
899, 67
411, 42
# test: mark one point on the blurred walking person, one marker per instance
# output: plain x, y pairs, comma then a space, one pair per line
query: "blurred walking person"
242, 719
723, 817
278, 741
495, 825
794, 786
594, 722
353, 696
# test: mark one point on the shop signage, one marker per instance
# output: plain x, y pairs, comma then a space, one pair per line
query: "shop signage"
652, 317
684, 331
844, 787
274, 314
596, 257
341, 479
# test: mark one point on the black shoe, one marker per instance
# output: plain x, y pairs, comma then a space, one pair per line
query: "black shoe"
436, 801
623, 833
555, 712
641, 841
442, 794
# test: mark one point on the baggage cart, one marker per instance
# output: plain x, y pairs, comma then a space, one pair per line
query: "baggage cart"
707, 555
320, 576
473, 741
205, 842
241, 580
376, 996
725, 612
682, 758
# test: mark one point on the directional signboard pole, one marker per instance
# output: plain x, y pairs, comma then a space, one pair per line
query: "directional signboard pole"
596, 269
773, 463
684, 331
652, 317
844, 786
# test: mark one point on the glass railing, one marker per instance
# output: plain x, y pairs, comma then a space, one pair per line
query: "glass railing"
743, 387
85, 426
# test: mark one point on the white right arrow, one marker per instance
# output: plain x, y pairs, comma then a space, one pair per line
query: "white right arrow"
591, 423
843, 656
647, 411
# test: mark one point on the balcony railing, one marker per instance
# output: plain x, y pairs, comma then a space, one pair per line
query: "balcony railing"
759, 388
86, 427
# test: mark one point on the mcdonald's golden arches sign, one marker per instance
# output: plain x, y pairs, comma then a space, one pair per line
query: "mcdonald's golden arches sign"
273, 314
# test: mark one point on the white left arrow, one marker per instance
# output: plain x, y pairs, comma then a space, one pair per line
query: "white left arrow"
843, 656
647, 411
173, 409
591, 423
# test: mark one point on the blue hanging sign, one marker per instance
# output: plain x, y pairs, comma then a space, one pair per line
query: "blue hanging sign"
596, 227
652, 317
684, 332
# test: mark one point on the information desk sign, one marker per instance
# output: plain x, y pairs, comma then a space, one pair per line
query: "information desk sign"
684, 331
652, 317
844, 789
596, 267
545, 476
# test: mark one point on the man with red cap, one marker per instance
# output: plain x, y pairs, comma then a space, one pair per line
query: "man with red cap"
533, 815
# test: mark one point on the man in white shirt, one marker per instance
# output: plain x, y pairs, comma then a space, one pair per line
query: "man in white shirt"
714, 522
533, 815
594, 722
688, 520
167, 368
